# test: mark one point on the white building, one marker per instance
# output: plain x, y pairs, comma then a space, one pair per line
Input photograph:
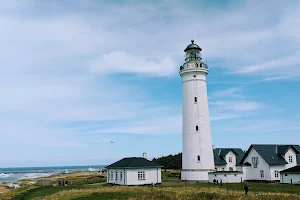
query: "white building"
264, 162
226, 176
291, 175
134, 171
228, 159
197, 152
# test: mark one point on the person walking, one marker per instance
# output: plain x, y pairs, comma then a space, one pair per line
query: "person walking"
246, 189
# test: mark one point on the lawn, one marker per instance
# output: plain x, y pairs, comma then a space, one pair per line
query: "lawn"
87, 186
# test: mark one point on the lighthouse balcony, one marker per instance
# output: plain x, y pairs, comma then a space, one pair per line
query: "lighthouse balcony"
193, 66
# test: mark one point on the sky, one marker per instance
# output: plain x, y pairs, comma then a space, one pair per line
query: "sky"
75, 75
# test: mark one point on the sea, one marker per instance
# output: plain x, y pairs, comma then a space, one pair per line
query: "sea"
14, 174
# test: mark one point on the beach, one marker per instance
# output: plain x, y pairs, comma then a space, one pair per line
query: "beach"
8, 175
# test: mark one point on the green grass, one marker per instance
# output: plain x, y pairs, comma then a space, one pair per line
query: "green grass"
171, 188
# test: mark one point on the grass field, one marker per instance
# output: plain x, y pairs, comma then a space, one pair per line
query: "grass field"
171, 188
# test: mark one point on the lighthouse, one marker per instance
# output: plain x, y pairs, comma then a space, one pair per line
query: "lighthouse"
197, 151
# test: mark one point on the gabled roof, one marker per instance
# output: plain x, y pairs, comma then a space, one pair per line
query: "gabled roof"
219, 154
133, 162
272, 153
295, 169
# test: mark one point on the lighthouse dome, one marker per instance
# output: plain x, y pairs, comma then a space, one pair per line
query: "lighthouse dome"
192, 46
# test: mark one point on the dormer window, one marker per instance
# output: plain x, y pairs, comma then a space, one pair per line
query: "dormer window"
195, 99
290, 159
197, 128
230, 159
255, 162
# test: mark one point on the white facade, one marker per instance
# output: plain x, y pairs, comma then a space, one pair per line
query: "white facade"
231, 161
290, 178
261, 172
197, 151
226, 177
264, 171
142, 176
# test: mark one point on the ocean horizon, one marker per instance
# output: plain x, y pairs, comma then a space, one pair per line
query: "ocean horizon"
13, 174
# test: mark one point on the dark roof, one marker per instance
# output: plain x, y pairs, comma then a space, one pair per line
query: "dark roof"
219, 154
272, 153
298, 158
133, 162
246, 164
295, 169
192, 46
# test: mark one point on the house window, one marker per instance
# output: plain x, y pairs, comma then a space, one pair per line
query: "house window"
111, 175
141, 175
215, 175
121, 175
235, 175
225, 175
290, 159
262, 175
195, 99
198, 158
223, 169
276, 174
116, 175
196, 128
230, 159
230, 168
255, 161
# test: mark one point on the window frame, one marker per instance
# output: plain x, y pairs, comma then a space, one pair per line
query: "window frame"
230, 159
290, 159
141, 175
276, 174
262, 174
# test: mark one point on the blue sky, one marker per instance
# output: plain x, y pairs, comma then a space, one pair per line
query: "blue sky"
76, 74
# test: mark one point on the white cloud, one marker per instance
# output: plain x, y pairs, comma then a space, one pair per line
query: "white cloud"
123, 62
231, 92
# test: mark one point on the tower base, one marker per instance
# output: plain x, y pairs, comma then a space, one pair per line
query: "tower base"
194, 175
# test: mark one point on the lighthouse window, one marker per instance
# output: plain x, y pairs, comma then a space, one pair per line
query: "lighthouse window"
195, 99
196, 128
198, 158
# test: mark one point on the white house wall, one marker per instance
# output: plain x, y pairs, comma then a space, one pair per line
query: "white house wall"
220, 167
290, 178
229, 178
130, 176
254, 173
113, 179
292, 153
273, 168
233, 163
152, 175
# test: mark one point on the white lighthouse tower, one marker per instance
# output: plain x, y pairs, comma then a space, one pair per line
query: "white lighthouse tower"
197, 151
